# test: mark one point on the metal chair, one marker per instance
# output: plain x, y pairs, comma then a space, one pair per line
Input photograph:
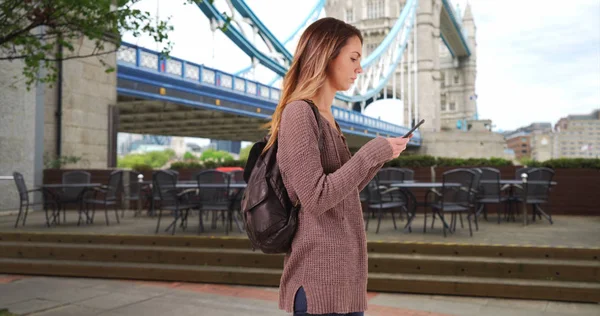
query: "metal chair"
165, 185
489, 192
110, 193
454, 199
25, 202
73, 195
381, 200
217, 198
537, 191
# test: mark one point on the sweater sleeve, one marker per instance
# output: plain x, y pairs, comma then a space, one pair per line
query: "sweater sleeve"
370, 175
299, 160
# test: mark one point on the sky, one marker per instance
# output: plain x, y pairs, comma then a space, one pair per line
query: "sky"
537, 60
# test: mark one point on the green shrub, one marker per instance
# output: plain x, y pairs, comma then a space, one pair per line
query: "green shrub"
412, 161
189, 156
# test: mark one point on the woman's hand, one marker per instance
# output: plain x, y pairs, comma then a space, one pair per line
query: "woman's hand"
398, 144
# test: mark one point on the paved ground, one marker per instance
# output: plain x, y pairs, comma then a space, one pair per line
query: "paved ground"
569, 231
52, 296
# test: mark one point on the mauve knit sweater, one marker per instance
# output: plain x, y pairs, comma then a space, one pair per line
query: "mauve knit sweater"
328, 257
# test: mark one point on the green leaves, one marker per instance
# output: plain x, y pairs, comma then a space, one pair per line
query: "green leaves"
33, 31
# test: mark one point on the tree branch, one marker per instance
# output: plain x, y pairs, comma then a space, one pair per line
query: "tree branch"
64, 58
13, 35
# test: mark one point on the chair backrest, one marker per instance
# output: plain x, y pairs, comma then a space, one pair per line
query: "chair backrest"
134, 185
114, 184
409, 174
164, 185
237, 176
21, 186
387, 176
489, 186
463, 194
538, 183
217, 195
371, 192
74, 177
476, 180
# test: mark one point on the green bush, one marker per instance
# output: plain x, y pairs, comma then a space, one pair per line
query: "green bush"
570, 163
154, 159
245, 152
412, 161
215, 155
415, 161
189, 156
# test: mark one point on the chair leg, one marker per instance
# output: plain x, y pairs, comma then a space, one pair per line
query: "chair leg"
366, 215
470, 230
476, 223
19, 215
424, 219
175, 221
378, 220
461, 220
117, 214
106, 214
432, 220
200, 222
158, 222
25, 215
393, 219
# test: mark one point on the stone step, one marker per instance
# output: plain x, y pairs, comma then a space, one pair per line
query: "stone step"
407, 283
520, 268
392, 247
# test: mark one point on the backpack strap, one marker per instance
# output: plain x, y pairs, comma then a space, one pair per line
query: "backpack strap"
315, 110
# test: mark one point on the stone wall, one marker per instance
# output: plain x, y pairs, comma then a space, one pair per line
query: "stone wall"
17, 131
88, 91
458, 144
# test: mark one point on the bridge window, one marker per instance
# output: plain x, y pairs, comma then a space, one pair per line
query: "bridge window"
349, 15
443, 106
456, 79
452, 106
374, 9
443, 101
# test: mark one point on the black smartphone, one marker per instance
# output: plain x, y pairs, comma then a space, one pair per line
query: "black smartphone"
413, 129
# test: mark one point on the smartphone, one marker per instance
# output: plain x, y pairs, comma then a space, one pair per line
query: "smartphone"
413, 129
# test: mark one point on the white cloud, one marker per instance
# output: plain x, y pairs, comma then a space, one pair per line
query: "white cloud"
537, 60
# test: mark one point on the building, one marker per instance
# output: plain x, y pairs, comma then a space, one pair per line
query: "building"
520, 144
577, 136
453, 87
534, 141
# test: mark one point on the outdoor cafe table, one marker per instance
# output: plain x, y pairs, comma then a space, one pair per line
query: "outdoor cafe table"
514, 182
49, 188
409, 184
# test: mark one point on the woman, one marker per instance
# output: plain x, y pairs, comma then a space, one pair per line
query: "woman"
326, 269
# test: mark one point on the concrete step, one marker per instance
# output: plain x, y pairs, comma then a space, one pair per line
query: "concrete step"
407, 283
512, 268
486, 287
391, 247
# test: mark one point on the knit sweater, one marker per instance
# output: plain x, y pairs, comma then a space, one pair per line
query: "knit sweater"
328, 256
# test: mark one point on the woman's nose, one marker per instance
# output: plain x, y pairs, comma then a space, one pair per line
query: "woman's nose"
359, 70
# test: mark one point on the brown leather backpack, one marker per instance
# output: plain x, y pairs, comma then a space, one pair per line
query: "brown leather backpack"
270, 218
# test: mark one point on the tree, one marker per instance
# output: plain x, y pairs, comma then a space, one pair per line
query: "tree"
245, 152
215, 155
36, 30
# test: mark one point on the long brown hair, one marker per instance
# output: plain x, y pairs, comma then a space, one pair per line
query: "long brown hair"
320, 43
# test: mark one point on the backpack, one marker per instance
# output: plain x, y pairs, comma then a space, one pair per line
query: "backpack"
270, 218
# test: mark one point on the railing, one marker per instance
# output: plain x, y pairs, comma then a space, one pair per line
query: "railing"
133, 56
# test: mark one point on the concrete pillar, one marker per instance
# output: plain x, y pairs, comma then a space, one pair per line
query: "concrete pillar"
17, 131
428, 32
